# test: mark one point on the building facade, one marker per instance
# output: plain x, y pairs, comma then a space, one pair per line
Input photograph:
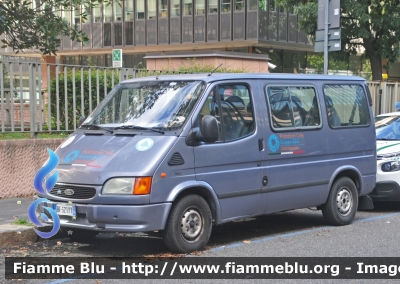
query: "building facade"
143, 26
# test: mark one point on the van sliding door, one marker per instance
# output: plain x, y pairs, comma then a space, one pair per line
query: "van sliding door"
297, 149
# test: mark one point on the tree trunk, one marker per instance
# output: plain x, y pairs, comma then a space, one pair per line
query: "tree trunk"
375, 59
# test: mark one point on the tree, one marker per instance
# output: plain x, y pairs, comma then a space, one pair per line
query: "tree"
39, 24
371, 24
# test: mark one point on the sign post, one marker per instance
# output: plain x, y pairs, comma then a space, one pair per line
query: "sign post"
327, 37
117, 58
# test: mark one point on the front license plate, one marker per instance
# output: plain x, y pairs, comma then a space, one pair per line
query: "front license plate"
65, 209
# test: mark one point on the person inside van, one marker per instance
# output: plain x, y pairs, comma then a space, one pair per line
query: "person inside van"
333, 116
312, 118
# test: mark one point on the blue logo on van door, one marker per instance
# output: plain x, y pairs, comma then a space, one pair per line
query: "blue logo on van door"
144, 144
273, 143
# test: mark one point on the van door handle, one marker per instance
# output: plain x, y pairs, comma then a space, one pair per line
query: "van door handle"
261, 144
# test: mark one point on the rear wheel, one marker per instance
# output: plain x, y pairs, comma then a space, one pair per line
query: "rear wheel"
342, 203
189, 225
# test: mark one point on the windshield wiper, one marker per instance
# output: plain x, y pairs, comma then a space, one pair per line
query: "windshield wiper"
138, 127
97, 127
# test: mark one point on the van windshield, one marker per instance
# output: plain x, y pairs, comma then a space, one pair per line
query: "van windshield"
161, 105
387, 127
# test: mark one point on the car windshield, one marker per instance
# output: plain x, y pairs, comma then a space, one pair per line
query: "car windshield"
387, 127
148, 105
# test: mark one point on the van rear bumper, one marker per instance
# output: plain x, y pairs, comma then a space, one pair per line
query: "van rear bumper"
115, 218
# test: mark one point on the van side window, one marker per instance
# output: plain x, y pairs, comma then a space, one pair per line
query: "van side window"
233, 108
293, 107
346, 105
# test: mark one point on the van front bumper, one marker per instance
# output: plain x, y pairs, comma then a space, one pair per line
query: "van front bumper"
114, 218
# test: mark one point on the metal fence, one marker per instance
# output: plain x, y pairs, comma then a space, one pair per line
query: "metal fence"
38, 97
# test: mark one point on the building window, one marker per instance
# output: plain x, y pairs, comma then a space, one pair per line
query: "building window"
139, 9
67, 16
187, 7
163, 8
175, 8
107, 13
76, 16
225, 6
212, 6
86, 11
252, 5
152, 9
133, 60
239, 5
129, 10
272, 5
117, 12
200, 7
96, 14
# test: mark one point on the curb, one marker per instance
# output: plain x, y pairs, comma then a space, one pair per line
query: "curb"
11, 234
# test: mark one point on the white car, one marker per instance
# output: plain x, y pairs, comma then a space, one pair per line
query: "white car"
388, 157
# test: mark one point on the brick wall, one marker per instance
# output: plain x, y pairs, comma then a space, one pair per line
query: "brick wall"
19, 162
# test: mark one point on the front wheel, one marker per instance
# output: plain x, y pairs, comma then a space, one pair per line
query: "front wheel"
342, 202
189, 225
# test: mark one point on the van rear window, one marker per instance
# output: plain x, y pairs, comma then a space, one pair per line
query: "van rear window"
346, 105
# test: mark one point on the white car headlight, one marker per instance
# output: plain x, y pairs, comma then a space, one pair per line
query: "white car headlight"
119, 186
392, 166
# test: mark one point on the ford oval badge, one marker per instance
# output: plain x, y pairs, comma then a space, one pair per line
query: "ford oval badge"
69, 191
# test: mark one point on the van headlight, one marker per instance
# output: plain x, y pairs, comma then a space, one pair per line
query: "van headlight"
127, 186
390, 166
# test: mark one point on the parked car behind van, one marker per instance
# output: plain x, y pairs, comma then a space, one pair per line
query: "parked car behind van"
388, 157
180, 154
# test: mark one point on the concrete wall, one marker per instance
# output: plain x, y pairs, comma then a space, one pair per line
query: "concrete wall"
19, 162
246, 65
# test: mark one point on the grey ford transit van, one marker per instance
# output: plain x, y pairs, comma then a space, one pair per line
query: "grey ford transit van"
179, 154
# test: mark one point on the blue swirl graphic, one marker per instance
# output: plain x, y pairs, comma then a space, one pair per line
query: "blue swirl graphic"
50, 165
32, 216
273, 143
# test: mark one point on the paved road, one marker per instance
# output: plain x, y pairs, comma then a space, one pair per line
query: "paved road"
298, 233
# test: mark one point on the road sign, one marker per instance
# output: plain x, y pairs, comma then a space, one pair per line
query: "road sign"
333, 45
332, 34
334, 14
117, 57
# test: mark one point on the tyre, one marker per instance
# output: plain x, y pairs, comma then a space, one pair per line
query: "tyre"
342, 203
189, 225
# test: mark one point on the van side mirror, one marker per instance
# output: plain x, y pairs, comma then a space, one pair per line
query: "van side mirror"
209, 129
81, 120
208, 133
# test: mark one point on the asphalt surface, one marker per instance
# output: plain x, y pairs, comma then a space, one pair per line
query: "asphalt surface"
12, 209
297, 233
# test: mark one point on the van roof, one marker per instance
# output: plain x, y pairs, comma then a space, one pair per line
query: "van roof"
237, 76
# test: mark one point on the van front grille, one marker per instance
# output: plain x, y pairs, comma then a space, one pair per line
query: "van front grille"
73, 191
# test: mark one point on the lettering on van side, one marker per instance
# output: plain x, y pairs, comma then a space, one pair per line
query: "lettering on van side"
85, 156
286, 143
